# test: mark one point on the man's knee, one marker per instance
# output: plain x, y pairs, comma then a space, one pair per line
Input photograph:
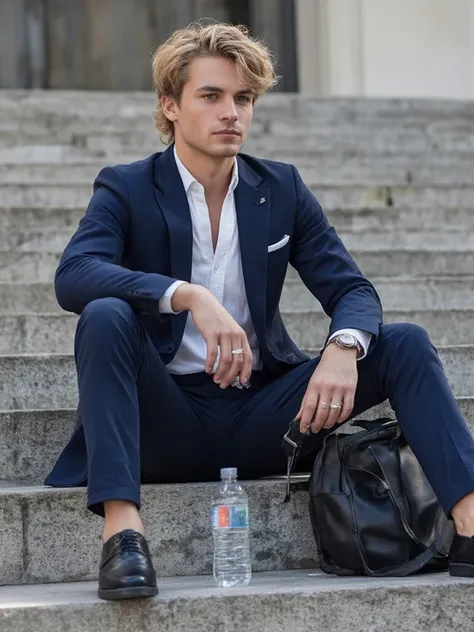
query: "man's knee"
410, 335
104, 316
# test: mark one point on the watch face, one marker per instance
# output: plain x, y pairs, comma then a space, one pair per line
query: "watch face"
347, 339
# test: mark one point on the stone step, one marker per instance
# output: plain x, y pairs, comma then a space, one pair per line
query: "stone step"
284, 139
272, 602
330, 197
396, 293
104, 106
51, 154
410, 294
48, 535
446, 327
267, 119
312, 117
52, 241
27, 298
397, 167
325, 171
45, 381
54, 333
41, 228
270, 117
39, 267
436, 240
33, 439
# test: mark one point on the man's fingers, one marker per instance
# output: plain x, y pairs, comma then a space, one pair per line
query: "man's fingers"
322, 412
211, 357
225, 358
347, 408
334, 413
309, 406
246, 368
237, 362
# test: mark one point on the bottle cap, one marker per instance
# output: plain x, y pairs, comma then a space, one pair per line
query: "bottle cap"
228, 471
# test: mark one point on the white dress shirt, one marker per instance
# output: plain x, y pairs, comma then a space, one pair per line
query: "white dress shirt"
221, 273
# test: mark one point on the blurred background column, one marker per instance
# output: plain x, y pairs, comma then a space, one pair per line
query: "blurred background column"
373, 48
275, 22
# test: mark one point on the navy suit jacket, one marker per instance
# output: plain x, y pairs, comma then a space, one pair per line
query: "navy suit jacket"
135, 240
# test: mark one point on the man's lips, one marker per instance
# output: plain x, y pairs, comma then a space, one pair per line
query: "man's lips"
228, 132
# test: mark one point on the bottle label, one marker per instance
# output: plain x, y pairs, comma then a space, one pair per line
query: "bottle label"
230, 517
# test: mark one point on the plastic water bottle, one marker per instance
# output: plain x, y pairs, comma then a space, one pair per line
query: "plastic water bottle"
230, 527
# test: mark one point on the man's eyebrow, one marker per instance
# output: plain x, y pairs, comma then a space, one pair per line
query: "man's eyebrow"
220, 90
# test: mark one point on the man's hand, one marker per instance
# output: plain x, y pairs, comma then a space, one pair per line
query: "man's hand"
334, 382
219, 330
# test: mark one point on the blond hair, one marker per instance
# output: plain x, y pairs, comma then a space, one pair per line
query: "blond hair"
254, 62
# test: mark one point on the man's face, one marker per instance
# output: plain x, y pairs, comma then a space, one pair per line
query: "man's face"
216, 109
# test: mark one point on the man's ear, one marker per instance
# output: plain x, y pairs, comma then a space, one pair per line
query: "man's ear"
170, 108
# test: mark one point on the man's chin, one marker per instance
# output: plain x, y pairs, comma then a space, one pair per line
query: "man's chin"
226, 151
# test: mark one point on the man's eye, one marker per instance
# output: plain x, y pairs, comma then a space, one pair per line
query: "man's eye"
210, 97
244, 97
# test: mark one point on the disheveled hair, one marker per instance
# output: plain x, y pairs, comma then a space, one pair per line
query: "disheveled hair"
254, 62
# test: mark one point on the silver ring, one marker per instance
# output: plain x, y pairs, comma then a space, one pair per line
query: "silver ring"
236, 382
237, 351
336, 406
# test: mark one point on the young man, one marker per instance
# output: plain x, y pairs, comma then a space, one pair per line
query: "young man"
183, 362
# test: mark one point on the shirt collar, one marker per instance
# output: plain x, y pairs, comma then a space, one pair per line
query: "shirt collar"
188, 179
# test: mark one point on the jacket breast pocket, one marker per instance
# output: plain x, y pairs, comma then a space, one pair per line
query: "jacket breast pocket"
279, 251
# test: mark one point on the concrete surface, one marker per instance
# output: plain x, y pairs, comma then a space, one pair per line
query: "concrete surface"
39, 267
306, 323
55, 538
272, 602
330, 197
45, 381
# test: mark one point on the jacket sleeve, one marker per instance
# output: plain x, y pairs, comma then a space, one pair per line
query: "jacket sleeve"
328, 270
91, 265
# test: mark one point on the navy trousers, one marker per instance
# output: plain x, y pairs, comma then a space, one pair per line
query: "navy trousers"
140, 424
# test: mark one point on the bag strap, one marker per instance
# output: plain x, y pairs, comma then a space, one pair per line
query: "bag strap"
413, 565
291, 445
420, 560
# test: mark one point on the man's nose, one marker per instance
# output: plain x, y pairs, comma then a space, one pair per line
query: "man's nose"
229, 112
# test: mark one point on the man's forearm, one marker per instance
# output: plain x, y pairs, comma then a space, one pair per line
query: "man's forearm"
185, 296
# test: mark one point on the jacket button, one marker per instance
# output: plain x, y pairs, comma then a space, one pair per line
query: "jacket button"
169, 349
292, 357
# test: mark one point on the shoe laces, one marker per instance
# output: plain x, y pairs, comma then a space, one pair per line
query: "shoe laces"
129, 542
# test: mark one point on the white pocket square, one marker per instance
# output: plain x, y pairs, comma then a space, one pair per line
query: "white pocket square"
279, 244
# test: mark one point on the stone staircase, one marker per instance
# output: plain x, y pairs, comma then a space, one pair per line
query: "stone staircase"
396, 178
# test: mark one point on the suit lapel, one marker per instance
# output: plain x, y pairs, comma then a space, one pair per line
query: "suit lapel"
252, 202
171, 198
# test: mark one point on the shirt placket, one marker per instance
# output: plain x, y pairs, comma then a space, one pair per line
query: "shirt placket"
223, 247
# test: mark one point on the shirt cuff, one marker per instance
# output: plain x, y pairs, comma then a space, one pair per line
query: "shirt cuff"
363, 338
164, 304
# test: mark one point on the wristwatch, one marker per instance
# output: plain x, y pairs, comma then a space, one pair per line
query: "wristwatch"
347, 341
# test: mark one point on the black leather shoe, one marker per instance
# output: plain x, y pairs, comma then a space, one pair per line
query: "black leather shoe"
126, 570
461, 556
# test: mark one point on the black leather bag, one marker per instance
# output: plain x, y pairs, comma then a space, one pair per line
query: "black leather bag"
372, 510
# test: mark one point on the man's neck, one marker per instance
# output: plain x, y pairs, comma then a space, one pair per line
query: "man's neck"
214, 173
